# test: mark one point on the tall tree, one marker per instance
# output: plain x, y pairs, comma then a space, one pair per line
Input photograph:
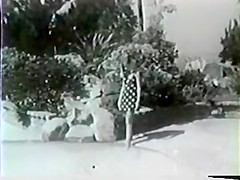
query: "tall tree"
27, 24
231, 43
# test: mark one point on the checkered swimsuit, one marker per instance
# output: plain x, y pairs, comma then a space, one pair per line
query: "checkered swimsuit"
130, 94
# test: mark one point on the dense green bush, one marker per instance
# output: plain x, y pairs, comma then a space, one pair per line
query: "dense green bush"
195, 88
236, 85
27, 24
155, 71
162, 83
146, 50
231, 50
119, 21
33, 22
36, 83
156, 38
231, 43
116, 26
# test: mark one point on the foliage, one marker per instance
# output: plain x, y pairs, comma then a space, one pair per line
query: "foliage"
155, 19
154, 70
231, 43
116, 27
136, 50
146, 49
162, 83
237, 82
119, 21
195, 88
105, 36
184, 87
26, 25
28, 21
156, 38
94, 48
36, 83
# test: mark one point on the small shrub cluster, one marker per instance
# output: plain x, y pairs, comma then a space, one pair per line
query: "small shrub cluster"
231, 43
29, 21
162, 83
231, 49
236, 85
156, 38
36, 83
119, 21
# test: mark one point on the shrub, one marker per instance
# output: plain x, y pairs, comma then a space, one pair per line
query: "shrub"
36, 83
162, 83
231, 49
231, 43
236, 85
155, 71
116, 26
94, 48
28, 21
119, 21
194, 88
26, 25
156, 38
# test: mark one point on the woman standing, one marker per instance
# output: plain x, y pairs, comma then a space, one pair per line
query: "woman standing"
129, 99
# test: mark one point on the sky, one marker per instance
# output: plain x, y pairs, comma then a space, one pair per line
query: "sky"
198, 25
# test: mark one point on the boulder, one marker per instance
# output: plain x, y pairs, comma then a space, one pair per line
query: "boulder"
224, 97
103, 122
214, 70
55, 129
38, 118
82, 133
10, 113
59, 133
218, 113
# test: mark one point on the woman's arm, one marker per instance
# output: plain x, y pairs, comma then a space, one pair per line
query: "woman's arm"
137, 75
122, 75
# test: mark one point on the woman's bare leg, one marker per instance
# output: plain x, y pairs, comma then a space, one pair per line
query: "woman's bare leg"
129, 126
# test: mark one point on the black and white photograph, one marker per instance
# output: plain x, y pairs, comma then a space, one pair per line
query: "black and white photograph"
120, 89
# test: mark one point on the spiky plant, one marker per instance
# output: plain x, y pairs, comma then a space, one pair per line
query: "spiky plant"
231, 43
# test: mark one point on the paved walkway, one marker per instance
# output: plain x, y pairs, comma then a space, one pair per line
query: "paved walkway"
190, 151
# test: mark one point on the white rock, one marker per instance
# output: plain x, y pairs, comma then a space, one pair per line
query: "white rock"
40, 114
9, 113
70, 104
80, 132
36, 124
218, 111
143, 110
9, 105
103, 124
42, 2
50, 125
215, 82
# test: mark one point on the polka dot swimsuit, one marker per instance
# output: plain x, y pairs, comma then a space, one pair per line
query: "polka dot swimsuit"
130, 94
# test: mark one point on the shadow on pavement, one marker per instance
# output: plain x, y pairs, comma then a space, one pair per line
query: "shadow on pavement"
167, 116
158, 135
